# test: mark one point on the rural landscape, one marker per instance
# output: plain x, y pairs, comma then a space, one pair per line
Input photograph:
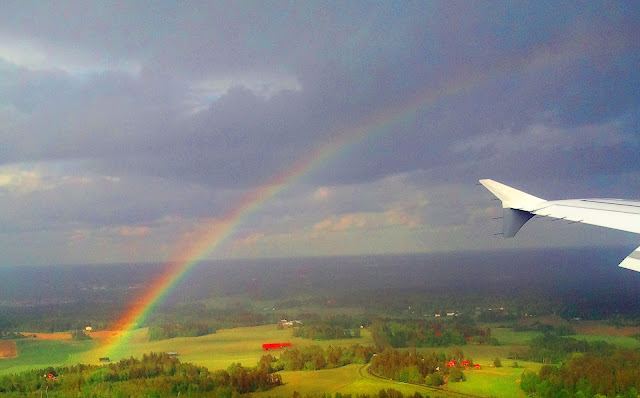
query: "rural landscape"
319, 199
343, 326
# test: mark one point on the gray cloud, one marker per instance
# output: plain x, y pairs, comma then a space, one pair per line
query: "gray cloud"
193, 105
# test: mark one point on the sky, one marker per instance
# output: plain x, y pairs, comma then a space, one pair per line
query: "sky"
128, 129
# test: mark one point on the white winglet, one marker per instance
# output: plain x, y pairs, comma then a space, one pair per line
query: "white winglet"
511, 197
632, 261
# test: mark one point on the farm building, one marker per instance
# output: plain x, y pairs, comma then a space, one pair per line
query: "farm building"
274, 346
289, 324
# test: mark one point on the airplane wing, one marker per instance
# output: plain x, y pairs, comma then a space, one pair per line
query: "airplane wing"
518, 207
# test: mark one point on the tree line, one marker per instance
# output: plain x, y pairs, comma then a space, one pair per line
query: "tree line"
551, 348
155, 375
169, 330
383, 393
325, 331
316, 358
588, 375
399, 334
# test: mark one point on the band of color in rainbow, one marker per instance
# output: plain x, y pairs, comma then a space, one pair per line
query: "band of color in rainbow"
221, 229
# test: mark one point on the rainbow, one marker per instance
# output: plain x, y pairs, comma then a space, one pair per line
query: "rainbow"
219, 230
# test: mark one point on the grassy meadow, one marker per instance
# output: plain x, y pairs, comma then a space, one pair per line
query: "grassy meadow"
221, 349
350, 379
43, 353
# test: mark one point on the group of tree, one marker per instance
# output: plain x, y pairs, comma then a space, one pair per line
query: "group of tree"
169, 330
383, 393
198, 319
551, 348
399, 334
59, 317
155, 375
316, 358
587, 375
559, 330
325, 331
80, 335
412, 366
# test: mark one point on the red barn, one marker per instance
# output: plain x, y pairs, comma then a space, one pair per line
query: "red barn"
274, 346
477, 366
465, 363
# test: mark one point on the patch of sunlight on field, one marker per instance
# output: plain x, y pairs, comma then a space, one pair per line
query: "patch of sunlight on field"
43, 353
620, 341
507, 336
498, 382
350, 379
221, 349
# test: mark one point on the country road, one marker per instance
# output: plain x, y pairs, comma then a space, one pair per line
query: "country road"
368, 374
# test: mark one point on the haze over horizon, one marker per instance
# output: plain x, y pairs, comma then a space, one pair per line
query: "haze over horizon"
130, 129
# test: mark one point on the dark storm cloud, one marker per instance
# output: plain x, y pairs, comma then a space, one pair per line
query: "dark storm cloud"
514, 64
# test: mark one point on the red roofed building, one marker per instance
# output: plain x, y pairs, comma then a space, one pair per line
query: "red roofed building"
274, 346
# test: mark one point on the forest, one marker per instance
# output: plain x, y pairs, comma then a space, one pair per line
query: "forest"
154, 375
587, 374
330, 328
444, 333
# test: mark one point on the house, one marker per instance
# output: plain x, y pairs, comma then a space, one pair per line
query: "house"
104, 359
88, 328
172, 353
274, 346
289, 324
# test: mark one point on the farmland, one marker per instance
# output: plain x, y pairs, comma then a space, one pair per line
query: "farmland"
34, 354
8, 349
243, 345
374, 306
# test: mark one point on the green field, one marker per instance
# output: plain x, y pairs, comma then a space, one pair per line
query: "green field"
221, 349
620, 341
42, 353
497, 382
350, 379
244, 345
506, 336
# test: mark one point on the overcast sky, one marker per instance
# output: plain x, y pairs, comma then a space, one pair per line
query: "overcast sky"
126, 128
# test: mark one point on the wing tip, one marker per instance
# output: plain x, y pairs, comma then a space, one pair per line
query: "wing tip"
511, 197
632, 261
